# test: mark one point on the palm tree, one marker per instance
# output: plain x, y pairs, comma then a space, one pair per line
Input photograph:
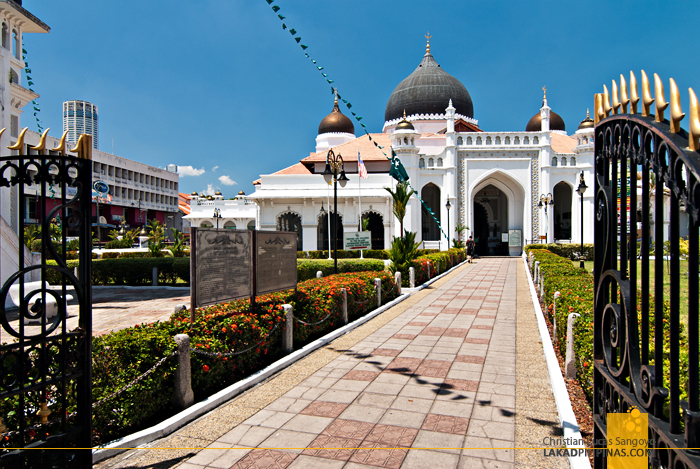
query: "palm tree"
401, 196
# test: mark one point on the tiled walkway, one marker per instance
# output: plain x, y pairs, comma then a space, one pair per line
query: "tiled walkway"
433, 387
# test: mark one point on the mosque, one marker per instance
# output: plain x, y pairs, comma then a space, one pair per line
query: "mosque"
491, 182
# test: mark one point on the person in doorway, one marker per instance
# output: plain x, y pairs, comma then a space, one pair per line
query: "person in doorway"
470, 249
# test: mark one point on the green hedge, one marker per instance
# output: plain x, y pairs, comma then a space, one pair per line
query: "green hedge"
445, 259
570, 250
343, 254
307, 268
120, 357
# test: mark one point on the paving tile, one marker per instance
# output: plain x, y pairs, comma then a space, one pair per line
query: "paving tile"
324, 409
386, 352
309, 462
403, 418
307, 423
353, 429
375, 400
420, 459
433, 331
456, 409
229, 458
392, 435
460, 384
332, 447
412, 404
379, 455
439, 441
404, 336
470, 340
446, 424
363, 413
265, 458
335, 395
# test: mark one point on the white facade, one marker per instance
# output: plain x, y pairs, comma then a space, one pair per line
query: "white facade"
237, 214
16, 21
80, 117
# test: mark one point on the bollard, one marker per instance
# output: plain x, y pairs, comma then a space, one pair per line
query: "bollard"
378, 286
183, 396
537, 271
569, 363
412, 277
75, 272
397, 279
554, 317
344, 318
437, 268
288, 336
155, 276
541, 287
428, 270
319, 274
179, 308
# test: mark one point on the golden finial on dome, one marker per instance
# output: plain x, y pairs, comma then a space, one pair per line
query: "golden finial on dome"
588, 113
335, 90
544, 88
404, 114
427, 48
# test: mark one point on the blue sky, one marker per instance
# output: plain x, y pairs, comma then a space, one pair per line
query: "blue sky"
218, 85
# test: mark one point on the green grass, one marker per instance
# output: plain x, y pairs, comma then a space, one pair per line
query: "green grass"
683, 294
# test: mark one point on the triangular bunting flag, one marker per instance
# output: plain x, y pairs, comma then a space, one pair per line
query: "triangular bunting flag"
298, 39
292, 31
281, 17
304, 47
275, 8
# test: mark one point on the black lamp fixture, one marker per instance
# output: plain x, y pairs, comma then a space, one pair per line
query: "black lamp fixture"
581, 190
545, 201
217, 215
448, 206
335, 171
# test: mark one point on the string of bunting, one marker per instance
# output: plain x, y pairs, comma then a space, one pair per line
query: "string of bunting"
397, 170
30, 83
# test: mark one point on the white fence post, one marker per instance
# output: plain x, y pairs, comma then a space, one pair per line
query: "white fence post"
288, 336
319, 274
183, 396
569, 363
345, 305
412, 277
554, 317
397, 279
378, 286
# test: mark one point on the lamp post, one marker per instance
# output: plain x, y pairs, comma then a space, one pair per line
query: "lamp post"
581, 189
448, 206
546, 200
335, 170
217, 215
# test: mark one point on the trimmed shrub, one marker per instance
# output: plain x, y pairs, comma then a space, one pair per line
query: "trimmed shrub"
342, 254
307, 268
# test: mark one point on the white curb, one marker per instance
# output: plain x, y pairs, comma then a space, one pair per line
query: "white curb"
567, 419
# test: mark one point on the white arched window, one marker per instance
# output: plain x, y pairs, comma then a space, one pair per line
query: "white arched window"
469, 140
535, 140
459, 141
4, 35
554, 161
563, 160
439, 162
507, 140
421, 163
526, 141
431, 162
516, 141
572, 162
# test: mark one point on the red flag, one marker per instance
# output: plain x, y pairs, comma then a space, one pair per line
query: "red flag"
361, 167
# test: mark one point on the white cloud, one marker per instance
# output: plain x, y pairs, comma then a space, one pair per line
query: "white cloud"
210, 190
189, 171
227, 181
214, 168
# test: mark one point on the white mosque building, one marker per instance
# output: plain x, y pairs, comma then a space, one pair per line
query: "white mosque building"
494, 181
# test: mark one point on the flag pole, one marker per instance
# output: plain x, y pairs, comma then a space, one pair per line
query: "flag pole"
359, 180
328, 219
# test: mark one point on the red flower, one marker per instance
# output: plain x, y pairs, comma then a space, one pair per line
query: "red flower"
223, 329
32, 433
206, 368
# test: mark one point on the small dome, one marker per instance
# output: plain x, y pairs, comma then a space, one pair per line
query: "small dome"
241, 193
336, 121
428, 90
217, 193
194, 194
404, 124
555, 122
587, 123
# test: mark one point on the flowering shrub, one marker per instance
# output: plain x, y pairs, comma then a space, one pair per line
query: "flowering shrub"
306, 269
445, 259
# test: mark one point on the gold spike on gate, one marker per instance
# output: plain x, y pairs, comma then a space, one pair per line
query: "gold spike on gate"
19, 144
598, 113
677, 113
634, 99
61, 148
615, 99
84, 147
606, 101
647, 100
694, 117
661, 103
624, 100
42, 142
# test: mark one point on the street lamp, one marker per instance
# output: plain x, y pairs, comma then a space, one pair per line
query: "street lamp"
581, 189
217, 215
546, 200
448, 206
335, 170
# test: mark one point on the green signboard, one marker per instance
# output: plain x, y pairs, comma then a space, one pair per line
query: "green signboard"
358, 240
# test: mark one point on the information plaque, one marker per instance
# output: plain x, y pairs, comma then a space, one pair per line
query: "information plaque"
223, 266
358, 240
276, 263
514, 238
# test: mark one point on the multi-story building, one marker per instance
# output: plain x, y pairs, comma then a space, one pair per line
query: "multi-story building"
80, 117
137, 192
16, 21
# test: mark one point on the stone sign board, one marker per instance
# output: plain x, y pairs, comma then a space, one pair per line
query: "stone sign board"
222, 266
276, 261
514, 238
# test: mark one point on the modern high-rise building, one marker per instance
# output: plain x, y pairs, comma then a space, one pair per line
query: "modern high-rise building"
80, 117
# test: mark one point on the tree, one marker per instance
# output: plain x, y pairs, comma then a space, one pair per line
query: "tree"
156, 238
401, 196
178, 247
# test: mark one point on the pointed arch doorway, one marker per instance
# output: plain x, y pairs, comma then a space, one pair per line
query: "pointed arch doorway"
490, 221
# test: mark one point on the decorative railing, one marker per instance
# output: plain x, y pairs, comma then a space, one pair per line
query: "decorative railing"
646, 269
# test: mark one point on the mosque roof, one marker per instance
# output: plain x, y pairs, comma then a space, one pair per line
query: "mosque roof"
336, 121
555, 122
428, 90
563, 143
294, 169
368, 150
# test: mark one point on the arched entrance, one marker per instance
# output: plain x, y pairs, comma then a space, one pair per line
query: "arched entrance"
431, 196
376, 227
562, 211
491, 221
291, 221
322, 231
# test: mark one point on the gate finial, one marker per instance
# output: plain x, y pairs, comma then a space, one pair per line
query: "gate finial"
661, 103
677, 113
624, 100
84, 147
635, 97
598, 113
606, 101
20, 141
61, 148
42, 142
647, 100
615, 99
694, 117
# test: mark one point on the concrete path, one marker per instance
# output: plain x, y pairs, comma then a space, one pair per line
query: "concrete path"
433, 382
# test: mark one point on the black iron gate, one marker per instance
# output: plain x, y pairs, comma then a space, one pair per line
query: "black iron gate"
45, 391
646, 270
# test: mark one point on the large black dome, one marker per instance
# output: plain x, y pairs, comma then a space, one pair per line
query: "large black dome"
336, 121
555, 122
428, 90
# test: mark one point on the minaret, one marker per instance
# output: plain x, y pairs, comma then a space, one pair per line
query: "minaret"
544, 112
